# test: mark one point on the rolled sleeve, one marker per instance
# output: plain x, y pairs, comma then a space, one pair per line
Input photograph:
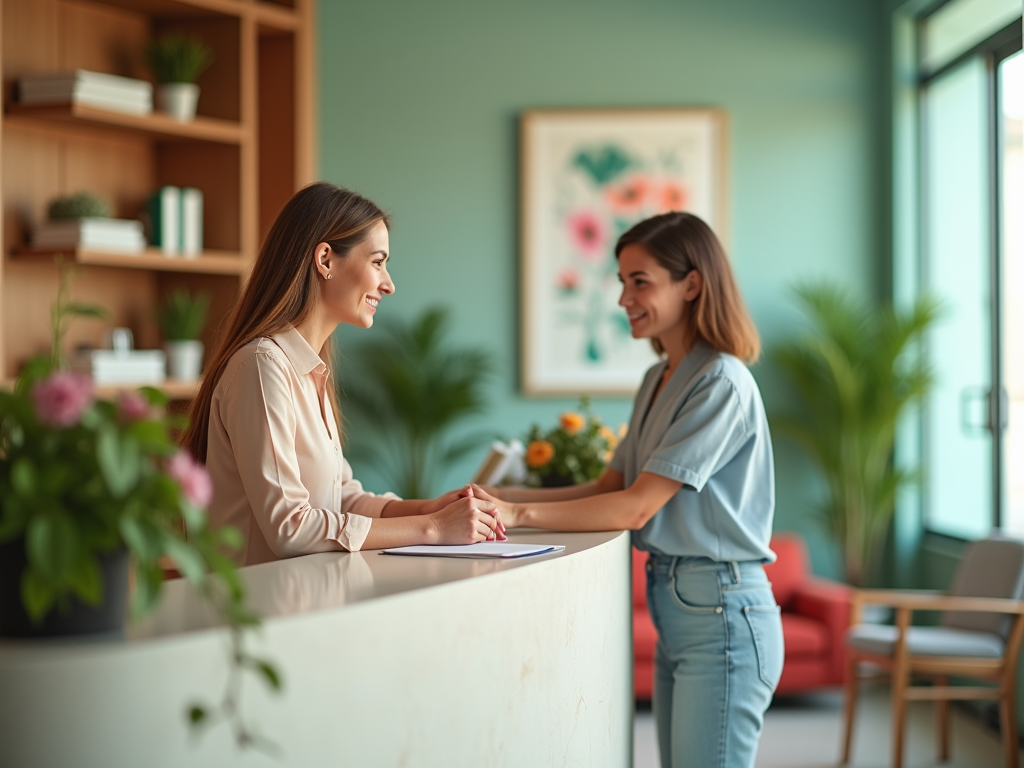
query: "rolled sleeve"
705, 433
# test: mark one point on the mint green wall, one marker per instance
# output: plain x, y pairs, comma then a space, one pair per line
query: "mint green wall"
418, 110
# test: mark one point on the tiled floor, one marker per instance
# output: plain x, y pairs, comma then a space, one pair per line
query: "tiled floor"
805, 732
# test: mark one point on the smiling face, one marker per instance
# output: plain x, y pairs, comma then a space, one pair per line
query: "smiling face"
654, 302
358, 280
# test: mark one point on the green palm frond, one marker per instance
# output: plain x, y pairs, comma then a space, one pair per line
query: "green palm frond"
410, 388
856, 371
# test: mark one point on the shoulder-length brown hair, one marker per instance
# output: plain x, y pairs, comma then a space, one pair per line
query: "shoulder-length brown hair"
283, 286
681, 242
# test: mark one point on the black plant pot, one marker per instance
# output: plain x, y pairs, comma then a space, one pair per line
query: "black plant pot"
77, 618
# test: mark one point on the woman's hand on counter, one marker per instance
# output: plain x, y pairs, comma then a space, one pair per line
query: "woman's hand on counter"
466, 520
510, 514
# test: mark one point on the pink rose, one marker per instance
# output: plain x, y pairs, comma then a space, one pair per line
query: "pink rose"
61, 399
588, 234
192, 477
131, 406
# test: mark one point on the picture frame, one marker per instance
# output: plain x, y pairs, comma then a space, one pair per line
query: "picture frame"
586, 176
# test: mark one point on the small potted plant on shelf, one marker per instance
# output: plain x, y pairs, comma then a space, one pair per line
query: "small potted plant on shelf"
181, 321
91, 489
177, 61
574, 452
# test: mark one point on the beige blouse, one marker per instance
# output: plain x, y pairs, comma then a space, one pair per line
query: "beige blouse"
275, 457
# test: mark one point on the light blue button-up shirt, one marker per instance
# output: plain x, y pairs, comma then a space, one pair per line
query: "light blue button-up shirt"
708, 430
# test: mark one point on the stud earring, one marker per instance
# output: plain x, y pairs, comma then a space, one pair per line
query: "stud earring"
330, 276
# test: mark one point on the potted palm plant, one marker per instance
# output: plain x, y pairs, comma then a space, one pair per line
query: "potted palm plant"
856, 372
177, 61
413, 389
181, 320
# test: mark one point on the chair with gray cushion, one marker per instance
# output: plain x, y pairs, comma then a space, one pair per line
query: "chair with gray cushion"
978, 637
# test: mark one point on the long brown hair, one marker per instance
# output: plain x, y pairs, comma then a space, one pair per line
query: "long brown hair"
681, 242
283, 286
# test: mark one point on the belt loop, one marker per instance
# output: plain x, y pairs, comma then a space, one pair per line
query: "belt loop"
734, 567
672, 570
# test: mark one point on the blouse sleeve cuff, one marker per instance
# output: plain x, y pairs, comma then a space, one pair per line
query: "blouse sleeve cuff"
354, 533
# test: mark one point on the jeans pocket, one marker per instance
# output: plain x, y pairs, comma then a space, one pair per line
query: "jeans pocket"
696, 592
765, 622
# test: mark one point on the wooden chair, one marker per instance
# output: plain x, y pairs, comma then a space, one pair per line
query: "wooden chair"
979, 638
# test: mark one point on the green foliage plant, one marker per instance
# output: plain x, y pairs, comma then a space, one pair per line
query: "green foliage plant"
178, 58
183, 315
856, 372
576, 451
411, 388
81, 205
82, 477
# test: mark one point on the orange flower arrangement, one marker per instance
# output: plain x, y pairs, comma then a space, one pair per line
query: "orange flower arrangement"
539, 453
572, 422
575, 451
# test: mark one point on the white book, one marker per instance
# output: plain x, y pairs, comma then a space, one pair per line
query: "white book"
116, 235
71, 90
85, 76
191, 221
97, 244
96, 89
165, 220
95, 225
138, 366
129, 108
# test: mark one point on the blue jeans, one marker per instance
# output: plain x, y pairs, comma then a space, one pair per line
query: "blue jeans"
717, 661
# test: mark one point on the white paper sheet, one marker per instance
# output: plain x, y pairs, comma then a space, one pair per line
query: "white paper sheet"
503, 549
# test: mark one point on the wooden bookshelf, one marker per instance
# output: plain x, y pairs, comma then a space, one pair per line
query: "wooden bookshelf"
176, 390
206, 263
250, 147
156, 125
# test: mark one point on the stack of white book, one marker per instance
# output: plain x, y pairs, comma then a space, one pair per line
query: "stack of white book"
112, 235
136, 366
93, 89
176, 220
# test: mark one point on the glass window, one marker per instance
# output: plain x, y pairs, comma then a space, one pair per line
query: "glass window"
1011, 186
958, 444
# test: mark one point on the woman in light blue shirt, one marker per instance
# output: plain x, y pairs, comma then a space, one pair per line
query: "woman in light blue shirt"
694, 481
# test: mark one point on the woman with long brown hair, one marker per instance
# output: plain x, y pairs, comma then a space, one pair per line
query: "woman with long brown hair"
693, 479
266, 422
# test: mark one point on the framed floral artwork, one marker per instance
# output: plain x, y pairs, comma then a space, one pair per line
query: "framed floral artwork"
586, 177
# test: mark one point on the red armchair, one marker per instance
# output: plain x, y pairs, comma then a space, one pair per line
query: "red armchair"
815, 616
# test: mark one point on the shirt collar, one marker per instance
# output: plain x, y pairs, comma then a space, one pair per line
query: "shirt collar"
303, 357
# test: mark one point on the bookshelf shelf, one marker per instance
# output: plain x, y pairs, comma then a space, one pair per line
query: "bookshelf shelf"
175, 390
157, 125
248, 150
206, 263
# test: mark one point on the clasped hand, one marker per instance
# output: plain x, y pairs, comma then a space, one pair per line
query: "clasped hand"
462, 517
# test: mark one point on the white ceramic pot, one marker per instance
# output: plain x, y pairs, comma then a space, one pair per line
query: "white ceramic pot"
178, 100
184, 359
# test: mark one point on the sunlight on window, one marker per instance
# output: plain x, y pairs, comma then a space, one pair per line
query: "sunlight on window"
1011, 115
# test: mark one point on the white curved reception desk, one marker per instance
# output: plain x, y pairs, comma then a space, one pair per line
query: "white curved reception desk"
386, 661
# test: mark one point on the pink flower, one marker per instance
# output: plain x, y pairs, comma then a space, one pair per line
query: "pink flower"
61, 399
568, 280
192, 477
131, 406
589, 234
